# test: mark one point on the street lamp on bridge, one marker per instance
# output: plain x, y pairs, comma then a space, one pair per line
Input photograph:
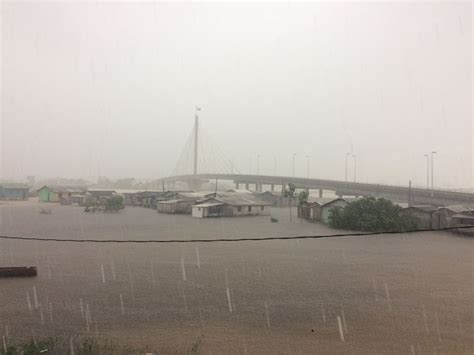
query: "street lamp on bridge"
355, 166
258, 159
307, 166
294, 155
347, 155
427, 156
432, 170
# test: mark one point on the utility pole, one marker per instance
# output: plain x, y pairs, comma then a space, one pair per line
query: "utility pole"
427, 171
347, 155
274, 165
258, 158
294, 155
432, 172
196, 137
307, 167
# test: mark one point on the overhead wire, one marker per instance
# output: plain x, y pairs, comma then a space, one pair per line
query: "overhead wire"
227, 240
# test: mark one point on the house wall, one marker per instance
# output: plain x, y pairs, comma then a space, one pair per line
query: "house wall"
255, 211
198, 212
167, 207
43, 195
325, 210
13, 194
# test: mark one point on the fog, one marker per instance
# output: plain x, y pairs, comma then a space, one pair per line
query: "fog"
108, 89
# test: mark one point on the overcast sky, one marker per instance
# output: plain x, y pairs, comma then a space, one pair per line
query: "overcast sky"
110, 89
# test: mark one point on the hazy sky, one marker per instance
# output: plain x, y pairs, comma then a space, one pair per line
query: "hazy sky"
110, 89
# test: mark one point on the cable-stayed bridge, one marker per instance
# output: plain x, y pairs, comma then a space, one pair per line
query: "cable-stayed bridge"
201, 161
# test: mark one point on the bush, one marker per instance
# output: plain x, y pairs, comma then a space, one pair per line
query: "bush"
371, 215
114, 203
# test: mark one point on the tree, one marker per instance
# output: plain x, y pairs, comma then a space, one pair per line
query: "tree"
371, 215
290, 194
114, 204
303, 198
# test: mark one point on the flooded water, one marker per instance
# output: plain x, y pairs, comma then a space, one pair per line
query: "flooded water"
380, 294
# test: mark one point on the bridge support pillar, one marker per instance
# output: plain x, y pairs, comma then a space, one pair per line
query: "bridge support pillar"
272, 187
246, 186
320, 193
236, 185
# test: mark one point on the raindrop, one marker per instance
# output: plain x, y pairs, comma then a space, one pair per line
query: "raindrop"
425, 322
29, 301
437, 326
344, 321
51, 312
7, 332
198, 260
4, 345
387, 294
324, 314
121, 305
227, 290
82, 307
267, 316
412, 349
184, 299
341, 333
103, 273
41, 314
35, 297
112, 268
228, 299
183, 270
72, 347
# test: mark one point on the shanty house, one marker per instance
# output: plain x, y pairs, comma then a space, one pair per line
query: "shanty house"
175, 206
231, 205
58, 193
442, 217
422, 214
13, 191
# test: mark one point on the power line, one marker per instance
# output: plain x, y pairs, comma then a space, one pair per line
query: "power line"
228, 240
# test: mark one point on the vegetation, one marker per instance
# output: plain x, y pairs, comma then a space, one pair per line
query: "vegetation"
290, 194
303, 198
371, 215
113, 204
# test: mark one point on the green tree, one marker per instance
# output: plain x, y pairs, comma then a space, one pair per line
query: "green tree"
371, 215
290, 194
114, 203
303, 198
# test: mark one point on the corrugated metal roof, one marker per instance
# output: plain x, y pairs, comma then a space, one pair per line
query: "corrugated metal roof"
456, 208
14, 185
210, 204
239, 200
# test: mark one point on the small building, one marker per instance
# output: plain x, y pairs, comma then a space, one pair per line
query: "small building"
206, 209
97, 196
442, 217
58, 193
175, 206
231, 205
14, 191
319, 209
422, 214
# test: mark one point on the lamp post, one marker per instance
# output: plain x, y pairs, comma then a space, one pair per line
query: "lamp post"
307, 166
347, 155
294, 155
432, 170
355, 166
274, 165
258, 159
427, 171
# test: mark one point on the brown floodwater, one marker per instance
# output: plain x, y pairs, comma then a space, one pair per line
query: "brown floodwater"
395, 293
